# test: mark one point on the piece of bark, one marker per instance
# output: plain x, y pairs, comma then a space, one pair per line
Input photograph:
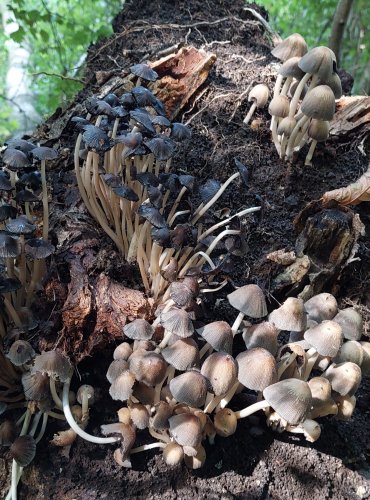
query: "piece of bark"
352, 113
353, 194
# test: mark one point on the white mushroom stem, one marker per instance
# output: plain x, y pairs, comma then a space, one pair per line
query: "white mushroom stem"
176, 204
43, 428
308, 159
177, 214
54, 394
299, 126
74, 426
45, 205
297, 95
275, 139
311, 356
286, 85
16, 470
206, 349
226, 221
261, 405
237, 323
279, 81
230, 394
250, 113
145, 447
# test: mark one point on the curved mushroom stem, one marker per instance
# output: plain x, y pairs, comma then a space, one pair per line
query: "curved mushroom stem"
35, 279
145, 447
237, 323
261, 405
286, 85
277, 87
170, 372
54, 394
250, 113
226, 221
45, 204
230, 394
299, 126
43, 427
275, 139
312, 356
297, 94
73, 424
308, 159
16, 470
309, 428
176, 204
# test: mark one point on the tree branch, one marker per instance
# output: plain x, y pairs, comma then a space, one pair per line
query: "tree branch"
63, 77
339, 23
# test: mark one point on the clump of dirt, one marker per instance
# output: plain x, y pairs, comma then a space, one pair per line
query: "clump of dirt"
254, 463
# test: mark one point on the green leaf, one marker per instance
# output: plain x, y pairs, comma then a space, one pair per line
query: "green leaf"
19, 35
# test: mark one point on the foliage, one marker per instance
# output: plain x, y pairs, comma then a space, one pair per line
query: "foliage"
313, 20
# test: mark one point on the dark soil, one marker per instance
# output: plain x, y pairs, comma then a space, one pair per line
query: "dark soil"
254, 463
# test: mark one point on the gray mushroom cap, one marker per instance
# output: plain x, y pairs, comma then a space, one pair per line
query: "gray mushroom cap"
20, 352
319, 103
290, 398
256, 369
139, 329
15, 159
39, 249
293, 46
55, 364
44, 153
9, 246
250, 300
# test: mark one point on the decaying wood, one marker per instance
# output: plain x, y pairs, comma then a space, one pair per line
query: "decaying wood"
353, 194
353, 112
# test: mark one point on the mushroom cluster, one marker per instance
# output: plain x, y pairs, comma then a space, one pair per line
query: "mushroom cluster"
307, 77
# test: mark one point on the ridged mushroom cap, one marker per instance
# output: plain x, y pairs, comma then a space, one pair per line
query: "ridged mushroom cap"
36, 386
225, 422
121, 388
286, 126
173, 454
44, 153
365, 367
9, 246
279, 106
290, 68
115, 369
8, 432
350, 351
345, 378
55, 364
321, 306
351, 322
256, 369
182, 354
20, 225
15, 159
144, 71
263, 335
127, 433
177, 321
221, 370
23, 450
250, 300
259, 94
290, 398
320, 390
186, 429
334, 83
39, 249
122, 351
319, 103
180, 293
190, 388
326, 338
20, 352
292, 46
289, 316
149, 368
318, 130
139, 329
169, 273
219, 335
163, 411
319, 61
139, 415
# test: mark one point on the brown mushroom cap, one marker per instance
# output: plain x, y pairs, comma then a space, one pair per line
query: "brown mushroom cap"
279, 106
121, 388
290, 398
186, 429
321, 306
256, 369
20, 352
346, 406
225, 422
351, 322
173, 454
149, 368
116, 368
250, 300
143, 393
23, 450
345, 378
262, 335
320, 61
163, 411
350, 351
289, 316
292, 46
139, 415
8, 432
36, 386
126, 431
286, 126
219, 335
318, 130
259, 94
182, 354
365, 367
326, 338
190, 388
221, 370
177, 321
139, 329
122, 351
55, 364
319, 103
197, 460
320, 390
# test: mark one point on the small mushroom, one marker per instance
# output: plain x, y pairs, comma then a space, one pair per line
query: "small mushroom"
250, 301
258, 96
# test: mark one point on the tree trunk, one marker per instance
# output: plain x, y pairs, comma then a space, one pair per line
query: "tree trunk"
339, 23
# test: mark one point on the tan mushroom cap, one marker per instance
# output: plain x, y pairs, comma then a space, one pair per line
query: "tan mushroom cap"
139, 415
149, 368
263, 335
180, 293
321, 306
365, 367
146, 345
182, 354
326, 338
169, 273
177, 321
126, 431
219, 335
279, 106
225, 422
221, 370
345, 378
286, 126
190, 388
121, 388
351, 322
139, 329
322, 402
186, 429
289, 316
197, 461
259, 94
55, 364
290, 398
318, 130
143, 393
319, 61
350, 351
115, 369
122, 351
319, 103
250, 300
163, 411
346, 406
256, 369
334, 83
292, 46
173, 454
290, 68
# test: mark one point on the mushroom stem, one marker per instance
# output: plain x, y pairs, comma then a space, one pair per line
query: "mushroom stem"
177, 214
312, 356
35, 279
250, 113
73, 424
285, 364
176, 204
12, 313
16, 470
237, 323
162, 437
193, 258
297, 94
41, 433
54, 394
226, 221
300, 123
230, 394
80, 183
145, 447
56, 415
207, 348
45, 204
277, 87
22, 272
308, 159
261, 405
286, 85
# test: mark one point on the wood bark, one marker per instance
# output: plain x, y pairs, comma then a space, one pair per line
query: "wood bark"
339, 23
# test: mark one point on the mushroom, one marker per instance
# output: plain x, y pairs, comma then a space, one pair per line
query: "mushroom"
350, 351
278, 109
20, 353
345, 378
292, 46
351, 322
263, 334
250, 301
85, 396
322, 401
173, 454
139, 329
218, 336
318, 131
186, 429
258, 96
189, 388
39, 250
225, 422
289, 316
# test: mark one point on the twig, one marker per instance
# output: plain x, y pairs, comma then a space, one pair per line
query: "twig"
218, 96
63, 77
241, 98
275, 37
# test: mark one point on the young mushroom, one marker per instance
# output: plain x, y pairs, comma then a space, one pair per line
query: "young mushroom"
258, 96
250, 301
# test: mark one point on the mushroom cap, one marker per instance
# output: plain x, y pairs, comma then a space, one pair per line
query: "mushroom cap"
196, 459
55, 364
292, 46
150, 368
321, 306
290, 398
177, 321
97, 106
152, 215
125, 192
121, 388
180, 293
21, 144
173, 454
351, 322
320, 61
39, 249
139, 415
259, 94
345, 378
122, 351
44, 153
256, 369
7, 212
162, 148
262, 335
286, 126
326, 337
139, 329
319, 103
20, 225
289, 316
23, 450
190, 388
144, 71
291, 69
186, 429
182, 354
320, 390
365, 366
169, 273
345, 405
10, 285
350, 351
163, 411
5, 184
26, 196
96, 139
15, 159
20, 352
143, 393
221, 370
86, 390
219, 335
8, 432
225, 422
180, 132
318, 130
279, 106
161, 121
9, 246
143, 119
36, 386
127, 432
250, 300
334, 83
